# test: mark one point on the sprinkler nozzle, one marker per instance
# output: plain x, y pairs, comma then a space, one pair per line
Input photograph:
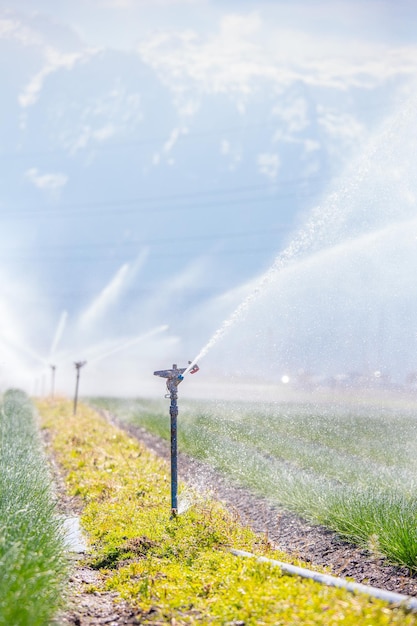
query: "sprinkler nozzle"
172, 375
175, 376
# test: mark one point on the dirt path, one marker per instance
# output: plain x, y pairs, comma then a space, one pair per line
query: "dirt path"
84, 606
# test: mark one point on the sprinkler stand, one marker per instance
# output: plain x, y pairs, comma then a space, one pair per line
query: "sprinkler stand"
78, 366
53, 370
174, 377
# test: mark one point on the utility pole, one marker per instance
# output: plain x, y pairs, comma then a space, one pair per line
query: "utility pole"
53, 370
78, 366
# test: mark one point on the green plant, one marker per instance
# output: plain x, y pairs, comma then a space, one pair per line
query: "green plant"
180, 570
351, 470
32, 562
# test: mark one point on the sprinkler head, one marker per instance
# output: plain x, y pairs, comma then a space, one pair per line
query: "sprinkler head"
175, 375
172, 375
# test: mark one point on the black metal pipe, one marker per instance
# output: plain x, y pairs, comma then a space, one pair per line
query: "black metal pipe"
78, 366
53, 369
174, 377
173, 411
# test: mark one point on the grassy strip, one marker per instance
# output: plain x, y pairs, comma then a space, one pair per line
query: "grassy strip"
32, 563
315, 464
180, 571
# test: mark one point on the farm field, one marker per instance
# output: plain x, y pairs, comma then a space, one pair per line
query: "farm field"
180, 571
353, 470
33, 564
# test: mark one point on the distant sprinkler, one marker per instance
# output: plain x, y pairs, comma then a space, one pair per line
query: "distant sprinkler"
174, 377
78, 366
53, 370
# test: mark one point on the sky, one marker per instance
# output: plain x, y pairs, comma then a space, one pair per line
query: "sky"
159, 157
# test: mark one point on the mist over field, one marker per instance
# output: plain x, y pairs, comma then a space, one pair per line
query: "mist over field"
159, 158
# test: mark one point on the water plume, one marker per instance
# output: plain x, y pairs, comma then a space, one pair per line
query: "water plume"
124, 345
58, 333
108, 295
377, 192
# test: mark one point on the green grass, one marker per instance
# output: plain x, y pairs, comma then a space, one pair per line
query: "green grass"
32, 564
353, 471
180, 571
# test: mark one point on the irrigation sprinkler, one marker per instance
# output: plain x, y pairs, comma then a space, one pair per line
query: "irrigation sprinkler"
78, 366
174, 377
53, 370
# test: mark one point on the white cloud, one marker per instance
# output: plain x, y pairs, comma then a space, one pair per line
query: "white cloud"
311, 145
339, 126
294, 115
168, 146
223, 62
12, 28
235, 27
172, 140
53, 182
249, 48
233, 153
100, 118
269, 164
225, 146
55, 61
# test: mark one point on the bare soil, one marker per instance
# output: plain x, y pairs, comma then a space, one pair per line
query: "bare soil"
315, 545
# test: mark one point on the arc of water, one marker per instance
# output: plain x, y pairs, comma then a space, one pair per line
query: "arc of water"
58, 333
324, 221
130, 342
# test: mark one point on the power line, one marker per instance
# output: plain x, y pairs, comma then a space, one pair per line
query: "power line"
163, 240
93, 208
177, 254
188, 136
156, 140
265, 186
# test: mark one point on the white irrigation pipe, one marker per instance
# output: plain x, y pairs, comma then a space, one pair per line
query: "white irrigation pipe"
407, 602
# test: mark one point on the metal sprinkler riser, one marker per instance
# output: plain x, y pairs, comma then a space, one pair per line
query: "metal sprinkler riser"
174, 376
78, 366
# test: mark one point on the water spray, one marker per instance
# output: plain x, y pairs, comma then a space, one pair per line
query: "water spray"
174, 377
78, 366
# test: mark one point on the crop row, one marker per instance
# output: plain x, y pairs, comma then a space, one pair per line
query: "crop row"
180, 570
353, 471
32, 560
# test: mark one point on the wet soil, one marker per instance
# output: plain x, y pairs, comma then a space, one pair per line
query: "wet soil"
84, 606
314, 545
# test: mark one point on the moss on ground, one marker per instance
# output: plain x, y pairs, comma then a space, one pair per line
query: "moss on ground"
179, 571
